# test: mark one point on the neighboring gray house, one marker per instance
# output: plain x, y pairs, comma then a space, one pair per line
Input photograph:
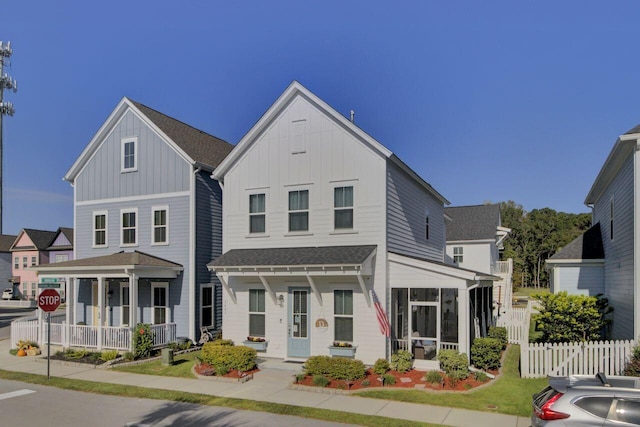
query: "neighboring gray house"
578, 268
6, 241
147, 219
614, 269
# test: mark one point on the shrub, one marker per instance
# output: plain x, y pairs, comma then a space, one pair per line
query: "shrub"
481, 377
317, 365
320, 380
433, 377
499, 333
142, 340
389, 379
129, 356
454, 364
221, 342
381, 366
485, 353
632, 367
341, 368
222, 370
402, 361
366, 383
300, 377
240, 358
108, 355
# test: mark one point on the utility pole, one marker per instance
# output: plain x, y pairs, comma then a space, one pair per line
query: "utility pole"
6, 108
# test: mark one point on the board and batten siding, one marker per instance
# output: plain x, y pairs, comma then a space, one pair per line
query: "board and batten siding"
208, 240
407, 206
619, 269
160, 169
303, 149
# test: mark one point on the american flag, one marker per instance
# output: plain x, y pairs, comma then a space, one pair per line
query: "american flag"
385, 327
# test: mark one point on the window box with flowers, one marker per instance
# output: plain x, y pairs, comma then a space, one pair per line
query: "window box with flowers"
342, 349
256, 343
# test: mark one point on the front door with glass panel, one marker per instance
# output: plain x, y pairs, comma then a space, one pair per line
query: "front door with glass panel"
298, 343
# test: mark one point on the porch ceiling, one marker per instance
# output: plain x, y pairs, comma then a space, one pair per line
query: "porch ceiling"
120, 263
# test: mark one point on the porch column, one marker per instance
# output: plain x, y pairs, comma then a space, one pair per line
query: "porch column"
100, 310
133, 305
70, 301
463, 321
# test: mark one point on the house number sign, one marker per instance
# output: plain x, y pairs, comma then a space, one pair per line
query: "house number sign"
322, 324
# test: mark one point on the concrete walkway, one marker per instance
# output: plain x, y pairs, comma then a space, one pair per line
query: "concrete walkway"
270, 385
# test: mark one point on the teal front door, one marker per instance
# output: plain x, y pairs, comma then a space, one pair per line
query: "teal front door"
298, 345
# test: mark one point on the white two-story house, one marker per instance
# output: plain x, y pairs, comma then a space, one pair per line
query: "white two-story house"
329, 237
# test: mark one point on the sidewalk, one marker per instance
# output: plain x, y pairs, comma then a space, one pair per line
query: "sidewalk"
270, 385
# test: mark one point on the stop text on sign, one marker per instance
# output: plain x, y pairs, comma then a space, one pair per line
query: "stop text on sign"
49, 300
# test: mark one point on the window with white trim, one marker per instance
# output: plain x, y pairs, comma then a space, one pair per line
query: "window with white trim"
129, 229
34, 288
16, 263
299, 210
343, 208
257, 216
206, 306
124, 305
129, 161
159, 303
343, 315
160, 224
458, 254
61, 258
256, 313
100, 229
33, 261
24, 262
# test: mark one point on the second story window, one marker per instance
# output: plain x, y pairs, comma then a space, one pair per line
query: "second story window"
343, 207
99, 229
458, 254
129, 159
299, 210
33, 261
129, 230
160, 226
257, 218
16, 263
24, 262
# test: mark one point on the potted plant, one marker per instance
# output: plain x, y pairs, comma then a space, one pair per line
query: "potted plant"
342, 349
256, 343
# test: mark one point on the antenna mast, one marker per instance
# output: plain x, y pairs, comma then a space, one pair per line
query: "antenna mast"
6, 108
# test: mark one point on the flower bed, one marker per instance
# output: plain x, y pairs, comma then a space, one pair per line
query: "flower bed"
204, 370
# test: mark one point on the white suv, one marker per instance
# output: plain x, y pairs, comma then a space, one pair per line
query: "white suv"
7, 294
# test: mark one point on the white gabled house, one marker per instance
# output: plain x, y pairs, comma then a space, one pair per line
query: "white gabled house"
320, 222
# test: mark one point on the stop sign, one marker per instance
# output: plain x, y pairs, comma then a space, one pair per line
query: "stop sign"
48, 300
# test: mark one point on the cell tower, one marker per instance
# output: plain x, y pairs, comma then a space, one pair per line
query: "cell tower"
6, 108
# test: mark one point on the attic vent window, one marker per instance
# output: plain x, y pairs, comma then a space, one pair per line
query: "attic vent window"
298, 136
129, 160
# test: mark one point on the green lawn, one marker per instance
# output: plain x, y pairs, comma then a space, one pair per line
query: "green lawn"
509, 393
181, 367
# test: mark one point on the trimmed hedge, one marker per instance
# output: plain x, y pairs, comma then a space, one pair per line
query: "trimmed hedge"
485, 353
230, 357
454, 364
337, 368
499, 333
401, 361
381, 366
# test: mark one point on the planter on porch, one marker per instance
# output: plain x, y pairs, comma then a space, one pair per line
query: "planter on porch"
258, 344
343, 351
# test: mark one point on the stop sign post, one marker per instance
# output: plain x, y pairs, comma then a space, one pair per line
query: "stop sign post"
48, 301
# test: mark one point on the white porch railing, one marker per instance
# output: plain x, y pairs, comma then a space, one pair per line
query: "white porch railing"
502, 267
404, 345
113, 337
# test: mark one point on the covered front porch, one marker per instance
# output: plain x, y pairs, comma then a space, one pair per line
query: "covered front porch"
105, 298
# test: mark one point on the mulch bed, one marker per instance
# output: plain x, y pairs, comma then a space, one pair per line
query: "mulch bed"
413, 379
207, 370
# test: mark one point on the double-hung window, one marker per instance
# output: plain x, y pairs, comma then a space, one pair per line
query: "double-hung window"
16, 263
129, 160
33, 261
458, 255
24, 262
343, 208
206, 306
257, 217
299, 210
129, 230
256, 313
160, 223
343, 315
160, 303
99, 229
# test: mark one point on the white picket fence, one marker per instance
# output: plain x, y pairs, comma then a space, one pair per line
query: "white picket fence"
546, 359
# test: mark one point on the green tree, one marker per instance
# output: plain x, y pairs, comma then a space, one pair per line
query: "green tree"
572, 318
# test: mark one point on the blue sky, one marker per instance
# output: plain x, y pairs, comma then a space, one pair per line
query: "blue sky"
487, 101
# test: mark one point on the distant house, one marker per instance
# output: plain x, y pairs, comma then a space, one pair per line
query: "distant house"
6, 266
606, 258
324, 230
475, 237
61, 250
578, 268
30, 248
147, 220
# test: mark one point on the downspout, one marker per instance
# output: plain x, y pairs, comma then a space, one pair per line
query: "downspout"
192, 258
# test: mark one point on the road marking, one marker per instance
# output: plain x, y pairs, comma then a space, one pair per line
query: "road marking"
17, 393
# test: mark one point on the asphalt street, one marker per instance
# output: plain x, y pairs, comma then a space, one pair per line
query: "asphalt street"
9, 314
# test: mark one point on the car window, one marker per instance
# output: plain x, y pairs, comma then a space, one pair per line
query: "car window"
628, 411
541, 398
595, 405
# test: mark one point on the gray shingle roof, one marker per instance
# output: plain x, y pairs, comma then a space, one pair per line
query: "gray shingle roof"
6, 240
279, 257
472, 222
200, 146
586, 246
134, 258
41, 239
634, 130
